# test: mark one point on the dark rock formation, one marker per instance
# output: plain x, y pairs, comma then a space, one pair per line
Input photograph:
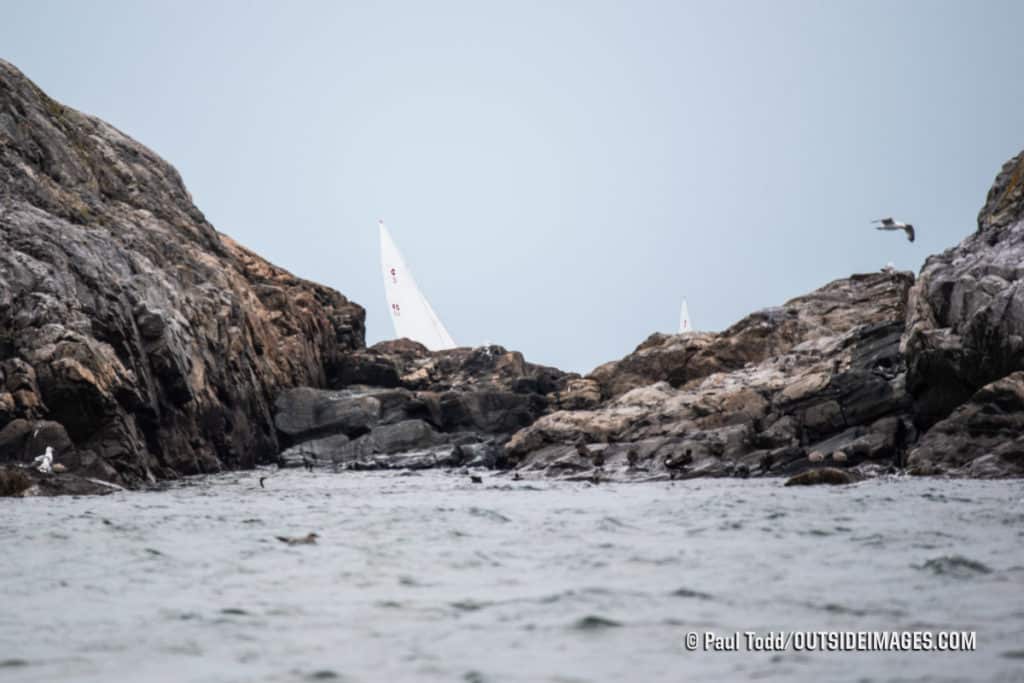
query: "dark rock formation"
983, 438
135, 339
821, 374
453, 407
965, 323
26, 482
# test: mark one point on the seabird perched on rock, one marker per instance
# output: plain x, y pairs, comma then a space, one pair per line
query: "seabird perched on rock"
44, 462
890, 224
632, 457
308, 539
476, 479
261, 482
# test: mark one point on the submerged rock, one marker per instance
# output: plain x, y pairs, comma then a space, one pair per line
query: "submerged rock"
823, 475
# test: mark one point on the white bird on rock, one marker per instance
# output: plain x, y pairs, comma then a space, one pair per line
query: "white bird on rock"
44, 462
890, 224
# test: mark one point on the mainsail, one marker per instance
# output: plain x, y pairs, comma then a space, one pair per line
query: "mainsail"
410, 311
684, 319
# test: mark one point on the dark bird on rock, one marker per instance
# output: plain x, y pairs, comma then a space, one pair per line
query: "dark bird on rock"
476, 479
308, 539
262, 479
632, 458
890, 224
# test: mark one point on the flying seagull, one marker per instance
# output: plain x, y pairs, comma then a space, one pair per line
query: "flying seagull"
890, 224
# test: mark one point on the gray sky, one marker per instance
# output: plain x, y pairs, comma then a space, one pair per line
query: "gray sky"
559, 174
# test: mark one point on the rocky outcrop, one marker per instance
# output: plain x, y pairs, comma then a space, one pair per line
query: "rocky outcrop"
450, 407
965, 324
408, 364
685, 359
135, 339
982, 438
19, 481
821, 374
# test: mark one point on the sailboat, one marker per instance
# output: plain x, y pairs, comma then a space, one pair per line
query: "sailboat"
684, 318
411, 313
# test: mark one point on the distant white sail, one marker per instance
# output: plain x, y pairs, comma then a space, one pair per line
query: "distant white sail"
684, 319
410, 311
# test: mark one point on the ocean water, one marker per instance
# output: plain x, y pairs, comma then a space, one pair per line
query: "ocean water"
431, 577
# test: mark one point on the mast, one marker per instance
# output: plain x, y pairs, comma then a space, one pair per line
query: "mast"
413, 316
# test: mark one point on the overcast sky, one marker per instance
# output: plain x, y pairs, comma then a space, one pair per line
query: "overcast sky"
557, 174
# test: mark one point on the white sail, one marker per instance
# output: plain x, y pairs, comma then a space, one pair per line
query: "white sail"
410, 311
684, 319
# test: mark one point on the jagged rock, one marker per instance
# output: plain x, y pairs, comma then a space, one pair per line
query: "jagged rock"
983, 438
411, 365
155, 342
479, 394
835, 375
965, 323
824, 314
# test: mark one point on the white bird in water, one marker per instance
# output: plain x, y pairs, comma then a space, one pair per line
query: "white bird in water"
890, 224
45, 461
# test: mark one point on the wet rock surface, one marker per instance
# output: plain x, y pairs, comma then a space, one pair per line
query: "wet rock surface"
135, 339
444, 408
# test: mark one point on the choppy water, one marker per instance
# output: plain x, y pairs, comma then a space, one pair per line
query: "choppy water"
434, 578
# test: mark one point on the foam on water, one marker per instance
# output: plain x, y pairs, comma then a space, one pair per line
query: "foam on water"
435, 578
